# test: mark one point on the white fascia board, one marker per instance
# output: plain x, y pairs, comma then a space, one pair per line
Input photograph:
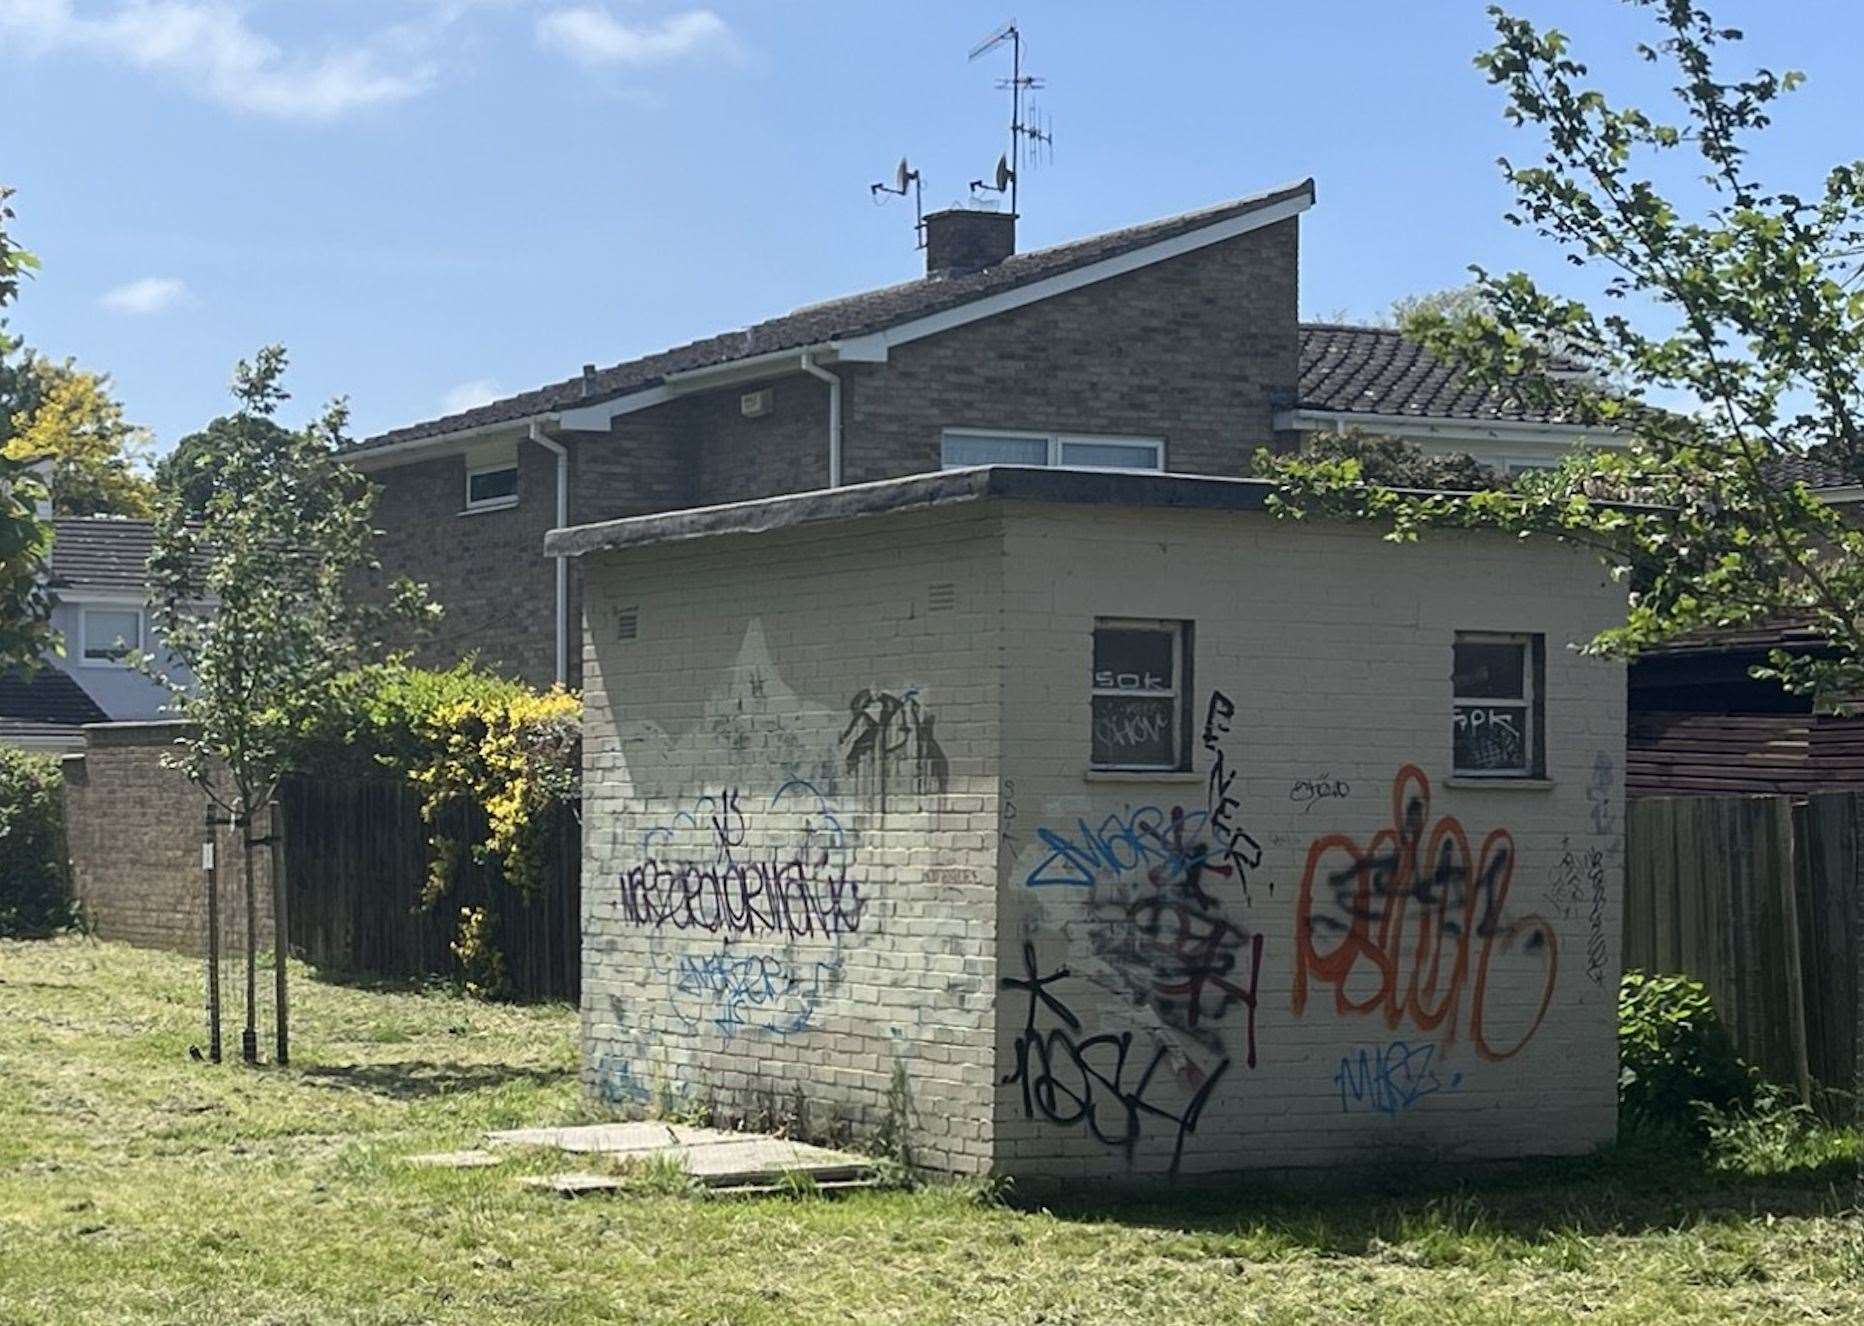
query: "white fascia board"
873, 347
1841, 496
440, 444
1445, 429
597, 418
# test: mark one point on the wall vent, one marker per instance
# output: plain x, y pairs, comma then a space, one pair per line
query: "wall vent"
757, 404
627, 623
942, 598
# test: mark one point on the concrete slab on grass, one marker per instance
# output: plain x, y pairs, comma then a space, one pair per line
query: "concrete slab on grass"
711, 1155
473, 1159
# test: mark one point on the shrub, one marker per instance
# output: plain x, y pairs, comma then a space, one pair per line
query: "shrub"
1676, 1058
35, 897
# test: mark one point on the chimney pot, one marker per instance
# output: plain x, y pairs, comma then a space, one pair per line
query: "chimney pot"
961, 240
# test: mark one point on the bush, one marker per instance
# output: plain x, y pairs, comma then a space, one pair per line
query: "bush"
1676, 1059
35, 895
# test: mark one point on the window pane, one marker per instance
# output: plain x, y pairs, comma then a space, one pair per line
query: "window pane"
1132, 660
1110, 455
1489, 738
1490, 670
492, 485
1135, 730
970, 449
111, 634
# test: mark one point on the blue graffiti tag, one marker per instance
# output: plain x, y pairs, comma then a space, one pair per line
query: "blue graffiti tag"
739, 992
1167, 845
1389, 1080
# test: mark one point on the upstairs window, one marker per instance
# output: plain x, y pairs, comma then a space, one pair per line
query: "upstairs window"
489, 487
960, 447
1497, 717
110, 636
1141, 695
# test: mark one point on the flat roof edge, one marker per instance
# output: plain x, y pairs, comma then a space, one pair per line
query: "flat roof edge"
914, 493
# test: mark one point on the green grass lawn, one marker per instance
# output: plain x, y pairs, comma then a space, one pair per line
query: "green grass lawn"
138, 1186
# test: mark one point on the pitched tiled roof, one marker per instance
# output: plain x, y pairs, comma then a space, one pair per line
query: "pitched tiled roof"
1379, 370
853, 315
101, 553
47, 704
1812, 472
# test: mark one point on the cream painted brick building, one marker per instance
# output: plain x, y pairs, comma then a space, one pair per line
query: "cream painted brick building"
1098, 825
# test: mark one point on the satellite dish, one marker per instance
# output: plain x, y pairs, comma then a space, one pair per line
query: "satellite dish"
1004, 173
902, 177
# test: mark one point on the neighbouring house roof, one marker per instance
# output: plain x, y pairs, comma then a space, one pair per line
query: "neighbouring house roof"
1381, 371
1728, 754
101, 554
1811, 471
46, 708
839, 319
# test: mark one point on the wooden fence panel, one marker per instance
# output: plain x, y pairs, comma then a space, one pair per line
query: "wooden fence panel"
1709, 892
357, 858
1831, 900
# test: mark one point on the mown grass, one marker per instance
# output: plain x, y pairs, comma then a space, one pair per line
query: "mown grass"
138, 1186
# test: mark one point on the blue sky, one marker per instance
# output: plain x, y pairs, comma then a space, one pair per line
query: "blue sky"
429, 201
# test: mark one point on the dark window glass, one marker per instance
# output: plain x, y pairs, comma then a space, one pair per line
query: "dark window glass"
1490, 670
492, 485
1136, 731
1490, 738
1132, 660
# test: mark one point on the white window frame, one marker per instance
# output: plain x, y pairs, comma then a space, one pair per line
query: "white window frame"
491, 503
1178, 692
1529, 703
84, 634
1055, 442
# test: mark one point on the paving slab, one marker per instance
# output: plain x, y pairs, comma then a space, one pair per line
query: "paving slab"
573, 1185
711, 1155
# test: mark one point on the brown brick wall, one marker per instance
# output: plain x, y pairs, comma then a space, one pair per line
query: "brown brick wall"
1196, 350
135, 833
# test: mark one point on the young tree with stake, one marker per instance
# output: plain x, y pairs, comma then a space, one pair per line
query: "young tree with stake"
252, 591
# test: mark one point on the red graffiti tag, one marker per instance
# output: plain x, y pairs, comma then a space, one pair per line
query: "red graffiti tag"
1406, 909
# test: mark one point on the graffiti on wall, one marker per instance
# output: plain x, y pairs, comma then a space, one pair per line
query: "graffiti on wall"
891, 744
1389, 1079
790, 886
1577, 887
1310, 792
1413, 926
1601, 795
1238, 852
1099, 1082
735, 992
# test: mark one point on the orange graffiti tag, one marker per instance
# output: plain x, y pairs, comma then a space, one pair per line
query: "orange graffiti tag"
1406, 910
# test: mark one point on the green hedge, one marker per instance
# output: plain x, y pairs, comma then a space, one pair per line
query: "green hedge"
35, 892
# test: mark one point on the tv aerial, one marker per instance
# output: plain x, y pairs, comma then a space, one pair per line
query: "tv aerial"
1032, 137
905, 178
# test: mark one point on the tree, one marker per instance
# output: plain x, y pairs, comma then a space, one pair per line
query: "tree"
25, 538
1757, 330
251, 597
190, 470
73, 421
1392, 462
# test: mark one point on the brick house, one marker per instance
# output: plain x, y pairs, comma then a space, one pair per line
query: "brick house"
1171, 346
1101, 826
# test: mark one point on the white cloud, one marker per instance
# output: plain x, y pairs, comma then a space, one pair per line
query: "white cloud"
150, 295
210, 47
469, 396
590, 35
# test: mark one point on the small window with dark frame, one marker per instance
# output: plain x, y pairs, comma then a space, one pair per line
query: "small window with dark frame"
1497, 716
1141, 690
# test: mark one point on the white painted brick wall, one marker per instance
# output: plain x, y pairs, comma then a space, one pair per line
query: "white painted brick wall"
1335, 649
719, 738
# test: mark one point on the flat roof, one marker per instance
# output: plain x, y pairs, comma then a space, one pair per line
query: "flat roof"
1023, 483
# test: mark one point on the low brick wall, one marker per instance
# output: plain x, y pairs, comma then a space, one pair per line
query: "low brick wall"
135, 831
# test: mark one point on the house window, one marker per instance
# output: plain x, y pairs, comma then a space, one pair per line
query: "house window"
1497, 718
489, 487
960, 447
1141, 689
110, 636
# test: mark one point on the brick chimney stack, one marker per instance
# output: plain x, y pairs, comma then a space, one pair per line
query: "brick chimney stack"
962, 240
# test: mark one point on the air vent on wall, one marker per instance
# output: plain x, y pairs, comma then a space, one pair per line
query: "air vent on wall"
941, 598
756, 404
627, 623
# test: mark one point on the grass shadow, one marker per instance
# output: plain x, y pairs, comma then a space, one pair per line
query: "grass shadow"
1634, 1188
437, 983
421, 1079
